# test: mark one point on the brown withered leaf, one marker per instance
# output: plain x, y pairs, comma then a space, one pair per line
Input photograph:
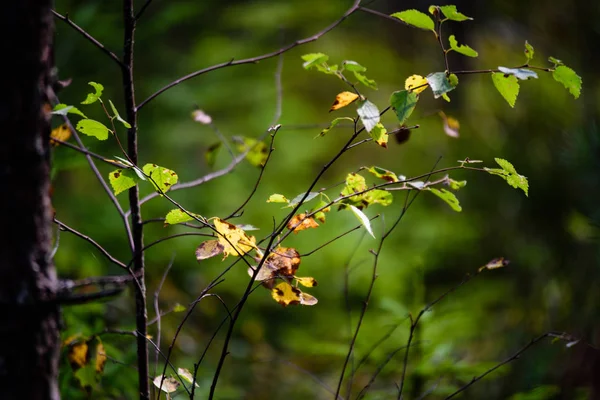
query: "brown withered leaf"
300, 222
496, 263
282, 263
209, 249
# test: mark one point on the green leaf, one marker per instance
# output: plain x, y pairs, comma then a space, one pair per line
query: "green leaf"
462, 49
179, 308
379, 135
185, 374
353, 66
363, 219
369, 114
382, 173
452, 14
297, 199
257, 150
507, 86
448, 197
122, 179
277, 198
439, 83
378, 196
521, 73
210, 154
63, 109
370, 83
320, 215
555, 61
510, 175
161, 178
569, 79
93, 97
334, 123
529, 51
94, 128
416, 19
117, 116
403, 103
314, 59
177, 216
455, 185
453, 79
355, 183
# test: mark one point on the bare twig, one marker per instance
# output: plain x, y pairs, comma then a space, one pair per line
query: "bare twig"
142, 9
157, 308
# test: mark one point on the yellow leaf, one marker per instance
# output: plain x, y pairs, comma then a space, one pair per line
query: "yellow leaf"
307, 281
285, 294
100, 357
233, 239
451, 125
342, 100
62, 133
416, 81
300, 222
78, 354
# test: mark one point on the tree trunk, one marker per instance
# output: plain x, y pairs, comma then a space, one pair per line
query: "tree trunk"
29, 314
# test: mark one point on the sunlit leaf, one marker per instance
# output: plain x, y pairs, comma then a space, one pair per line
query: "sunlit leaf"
455, 185
369, 114
179, 308
451, 125
496, 263
353, 66
377, 196
415, 81
117, 116
379, 135
209, 249
355, 183
200, 116
403, 102
93, 97
320, 215
510, 175
93, 128
364, 220
300, 222
100, 357
122, 179
370, 83
529, 51
451, 13
415, 18
342, 100
448, 197
298, 198
78, 354
306, 281
462, 49
555, 61
508, 86
439, 83
312, 59
569, 79
521, 73
286, 295
187, 375
169, 385
277, 198
177, 216
161, 178
63, 109
62, 133
383, 174
257, 150
334, 123
234, 240
247, 227
453, 79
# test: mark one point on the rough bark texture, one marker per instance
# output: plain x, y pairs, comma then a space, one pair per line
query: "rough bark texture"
29, 315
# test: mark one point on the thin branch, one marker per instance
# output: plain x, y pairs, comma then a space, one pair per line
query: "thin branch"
438, 35
380, 368
89, 153
89, 37
157, 308
92, 241
144, 7
253, 60
176, 235
112, 280
382, 15
337, 237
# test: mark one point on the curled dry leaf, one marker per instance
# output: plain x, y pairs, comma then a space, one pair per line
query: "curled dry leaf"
300, 222
209, 249
342, 100
281, 263
496, 263
285, 294
169, 385
233, 239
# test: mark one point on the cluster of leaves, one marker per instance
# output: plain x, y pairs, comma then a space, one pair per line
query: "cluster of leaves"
87, 358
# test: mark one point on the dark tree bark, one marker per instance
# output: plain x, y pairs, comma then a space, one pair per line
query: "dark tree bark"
29, 313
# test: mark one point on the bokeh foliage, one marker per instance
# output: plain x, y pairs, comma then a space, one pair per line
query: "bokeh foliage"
550, 237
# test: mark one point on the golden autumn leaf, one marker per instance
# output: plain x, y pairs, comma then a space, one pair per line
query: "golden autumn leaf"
342, 100
285, 294
78, 354
209, 249
62, 133
416, 81
300, 222
100, 357
306, 281
233, 239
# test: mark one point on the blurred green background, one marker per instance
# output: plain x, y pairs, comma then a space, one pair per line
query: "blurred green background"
550, 237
